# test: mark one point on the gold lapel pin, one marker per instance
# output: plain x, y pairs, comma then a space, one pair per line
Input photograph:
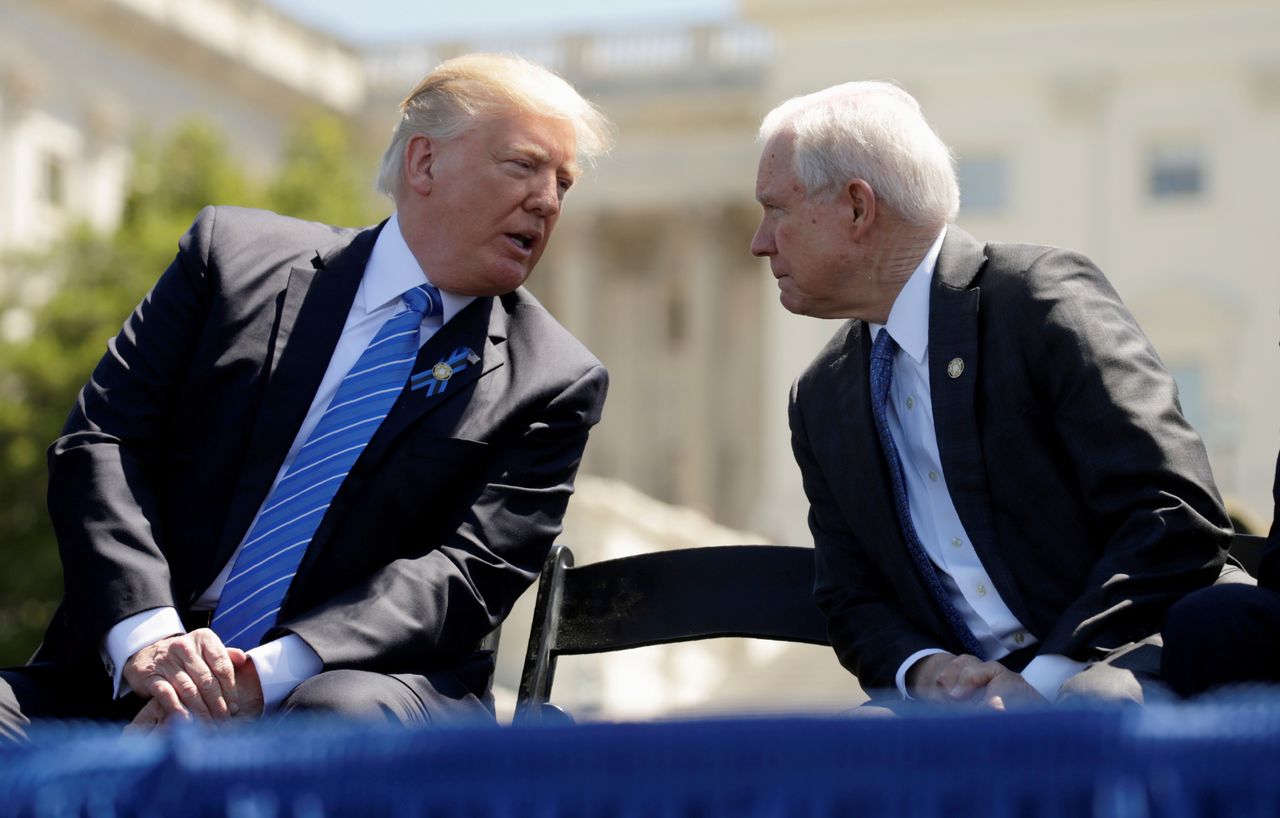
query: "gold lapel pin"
955, 368
442, 371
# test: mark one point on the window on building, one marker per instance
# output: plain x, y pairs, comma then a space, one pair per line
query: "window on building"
984, 184
53, 180
1175, 172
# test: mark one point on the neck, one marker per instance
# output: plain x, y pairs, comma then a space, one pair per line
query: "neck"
408, 214
899, 251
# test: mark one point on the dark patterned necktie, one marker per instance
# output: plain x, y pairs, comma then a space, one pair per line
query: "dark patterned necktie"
881, 376
255, 590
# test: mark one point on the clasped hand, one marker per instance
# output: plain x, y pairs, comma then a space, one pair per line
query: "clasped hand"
965, 679
192, 675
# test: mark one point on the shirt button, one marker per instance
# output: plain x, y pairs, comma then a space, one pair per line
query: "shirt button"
982, 589
933, 475
911, 402
957, 542
1019, 637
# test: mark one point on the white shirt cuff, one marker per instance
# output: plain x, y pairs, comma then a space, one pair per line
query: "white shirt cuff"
1047, 672
132, 634
282, 665
901, 678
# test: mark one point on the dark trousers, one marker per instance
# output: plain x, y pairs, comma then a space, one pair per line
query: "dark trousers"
36, 693
1224, 635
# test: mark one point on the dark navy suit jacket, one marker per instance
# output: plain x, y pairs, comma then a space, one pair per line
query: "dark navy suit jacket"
1084, 491
443, 521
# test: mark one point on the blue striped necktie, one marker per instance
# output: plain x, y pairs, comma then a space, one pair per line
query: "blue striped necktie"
289, 518
881, 376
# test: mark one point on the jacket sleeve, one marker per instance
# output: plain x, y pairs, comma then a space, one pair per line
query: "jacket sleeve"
101, 496
1159, 526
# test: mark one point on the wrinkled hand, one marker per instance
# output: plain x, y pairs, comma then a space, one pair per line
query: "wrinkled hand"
191, 675
247, 685
248, 688
967, 679
1007, 690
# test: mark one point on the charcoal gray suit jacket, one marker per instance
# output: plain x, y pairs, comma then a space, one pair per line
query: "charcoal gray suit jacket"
443, 521
1085, 492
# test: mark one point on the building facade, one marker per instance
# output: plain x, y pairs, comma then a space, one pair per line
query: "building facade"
1141, 133
80, 80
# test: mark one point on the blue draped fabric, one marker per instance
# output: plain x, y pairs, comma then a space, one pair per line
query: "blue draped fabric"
1184, 760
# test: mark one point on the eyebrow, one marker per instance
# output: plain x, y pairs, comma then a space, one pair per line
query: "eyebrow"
539, 154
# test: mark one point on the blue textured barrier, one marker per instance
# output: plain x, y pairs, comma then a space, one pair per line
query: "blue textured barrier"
1204, 760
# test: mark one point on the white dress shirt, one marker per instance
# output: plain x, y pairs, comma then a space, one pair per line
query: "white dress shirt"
282, 664
910, 416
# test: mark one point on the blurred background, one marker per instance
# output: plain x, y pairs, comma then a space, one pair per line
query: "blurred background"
1144, 133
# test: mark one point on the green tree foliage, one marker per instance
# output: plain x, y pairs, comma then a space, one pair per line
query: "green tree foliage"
318, 180
100, 279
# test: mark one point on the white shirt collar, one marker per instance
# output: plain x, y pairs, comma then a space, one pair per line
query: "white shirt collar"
392, 269
908, 322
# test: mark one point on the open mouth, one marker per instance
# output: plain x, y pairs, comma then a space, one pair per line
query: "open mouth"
522, 240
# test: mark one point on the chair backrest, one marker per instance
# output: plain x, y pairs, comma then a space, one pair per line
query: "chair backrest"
1248, 549
760, 591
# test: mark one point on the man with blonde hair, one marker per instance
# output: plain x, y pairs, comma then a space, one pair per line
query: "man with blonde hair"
1004, 496
319, 464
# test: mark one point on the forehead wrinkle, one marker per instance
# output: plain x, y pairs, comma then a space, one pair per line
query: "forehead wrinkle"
532, 150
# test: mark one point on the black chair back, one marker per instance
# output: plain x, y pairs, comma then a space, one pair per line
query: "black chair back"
759, 591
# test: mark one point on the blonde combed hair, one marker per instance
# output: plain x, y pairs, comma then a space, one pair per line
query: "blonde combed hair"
464, 90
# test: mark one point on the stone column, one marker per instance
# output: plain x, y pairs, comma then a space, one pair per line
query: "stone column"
103, 191
20, 83
695, 313
577, 276
574, 274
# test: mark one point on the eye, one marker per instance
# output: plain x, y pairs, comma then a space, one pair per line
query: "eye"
522, 164
564, 184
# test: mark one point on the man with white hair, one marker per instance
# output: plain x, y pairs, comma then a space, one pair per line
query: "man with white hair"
1004, 495
319, 464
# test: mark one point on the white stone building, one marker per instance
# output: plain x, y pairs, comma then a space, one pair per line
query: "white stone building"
1141, 133
80, 79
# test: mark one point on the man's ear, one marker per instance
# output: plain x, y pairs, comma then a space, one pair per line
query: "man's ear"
419, 159
860, 200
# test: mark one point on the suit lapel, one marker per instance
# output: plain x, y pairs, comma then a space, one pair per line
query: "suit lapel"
954, 370
313, 310
480, 328
860, 445
469, 330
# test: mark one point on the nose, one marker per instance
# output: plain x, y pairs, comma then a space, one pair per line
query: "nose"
762, 242
544, 198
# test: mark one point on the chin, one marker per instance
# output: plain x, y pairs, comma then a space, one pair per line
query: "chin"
501, 282
792, 305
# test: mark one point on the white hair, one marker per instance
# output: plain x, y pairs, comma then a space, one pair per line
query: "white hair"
460, 92
876, 132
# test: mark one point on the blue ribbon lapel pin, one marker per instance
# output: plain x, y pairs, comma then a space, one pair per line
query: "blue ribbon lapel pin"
436, 379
